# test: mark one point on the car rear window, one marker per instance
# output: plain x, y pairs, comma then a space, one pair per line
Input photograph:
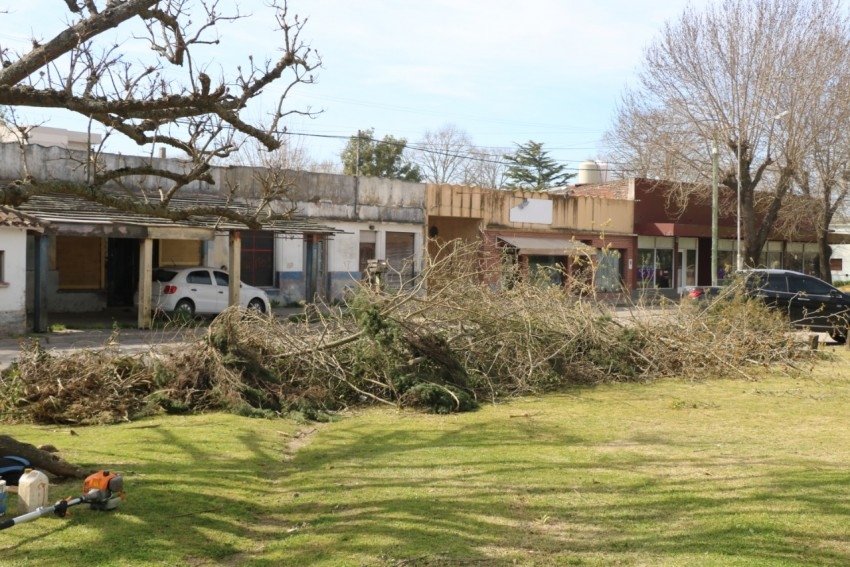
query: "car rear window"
163, 275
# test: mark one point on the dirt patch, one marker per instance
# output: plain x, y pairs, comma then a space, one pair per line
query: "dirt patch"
300, 439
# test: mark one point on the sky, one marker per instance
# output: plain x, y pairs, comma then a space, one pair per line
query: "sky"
503, 72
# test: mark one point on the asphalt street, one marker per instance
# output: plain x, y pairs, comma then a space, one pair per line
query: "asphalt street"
97, 333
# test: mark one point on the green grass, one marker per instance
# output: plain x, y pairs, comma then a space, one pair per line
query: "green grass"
665, 474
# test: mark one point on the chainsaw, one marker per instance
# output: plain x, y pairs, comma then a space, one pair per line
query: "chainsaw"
102, 490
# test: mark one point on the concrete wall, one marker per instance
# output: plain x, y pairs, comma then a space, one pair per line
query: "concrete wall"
13, 290
526, 210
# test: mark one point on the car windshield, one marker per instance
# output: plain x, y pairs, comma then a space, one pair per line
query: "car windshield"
163, 275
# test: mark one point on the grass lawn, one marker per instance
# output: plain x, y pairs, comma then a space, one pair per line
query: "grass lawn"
727, 472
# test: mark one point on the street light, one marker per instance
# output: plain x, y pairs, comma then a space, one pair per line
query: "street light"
740, 259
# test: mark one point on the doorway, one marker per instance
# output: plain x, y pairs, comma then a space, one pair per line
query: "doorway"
122, 271
687, 269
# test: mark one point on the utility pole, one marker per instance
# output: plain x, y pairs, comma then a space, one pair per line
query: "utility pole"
357, 178
714, 206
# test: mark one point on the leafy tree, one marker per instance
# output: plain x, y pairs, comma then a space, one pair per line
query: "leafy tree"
153, 88
530, 168
766, 79
383, 158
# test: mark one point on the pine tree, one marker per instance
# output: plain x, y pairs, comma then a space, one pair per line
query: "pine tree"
530, 168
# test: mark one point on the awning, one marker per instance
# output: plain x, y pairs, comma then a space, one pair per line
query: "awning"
542, 246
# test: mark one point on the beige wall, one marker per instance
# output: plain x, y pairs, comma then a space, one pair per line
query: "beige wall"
498, 208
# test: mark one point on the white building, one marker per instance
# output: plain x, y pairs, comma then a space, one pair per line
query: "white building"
46, 136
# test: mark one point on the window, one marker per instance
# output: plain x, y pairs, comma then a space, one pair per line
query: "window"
79, 261
199, 277
655, 268
655, 262
222, 278
258, 258
808, 286
609, 270
836, 264
546, 270
179, 253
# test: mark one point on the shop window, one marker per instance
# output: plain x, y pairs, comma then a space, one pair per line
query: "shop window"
655, 268
546, 270
609, 271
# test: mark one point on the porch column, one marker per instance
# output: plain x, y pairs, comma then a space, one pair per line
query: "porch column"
144, 285
39, 304
234, 260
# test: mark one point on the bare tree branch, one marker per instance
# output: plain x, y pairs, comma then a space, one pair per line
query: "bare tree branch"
168, 99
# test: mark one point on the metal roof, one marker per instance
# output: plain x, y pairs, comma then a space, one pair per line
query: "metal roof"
58, 210
546, 246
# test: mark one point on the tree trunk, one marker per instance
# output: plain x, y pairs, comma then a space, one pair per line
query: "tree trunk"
41, 460
824, 253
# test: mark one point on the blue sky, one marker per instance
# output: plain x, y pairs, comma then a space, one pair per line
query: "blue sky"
504, 72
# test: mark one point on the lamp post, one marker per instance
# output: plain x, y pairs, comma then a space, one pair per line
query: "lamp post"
739, 259
714, 200
740, 262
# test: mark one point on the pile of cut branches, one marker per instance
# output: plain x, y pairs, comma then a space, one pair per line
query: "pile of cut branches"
446, 350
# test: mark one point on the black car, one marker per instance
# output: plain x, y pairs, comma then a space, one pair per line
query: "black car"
810, 303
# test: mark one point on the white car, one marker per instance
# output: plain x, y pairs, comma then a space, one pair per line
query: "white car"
200, 290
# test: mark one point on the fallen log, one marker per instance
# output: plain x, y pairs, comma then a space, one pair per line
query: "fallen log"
42, 460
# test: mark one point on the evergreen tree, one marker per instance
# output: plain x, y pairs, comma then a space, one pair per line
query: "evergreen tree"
530, 168
383, 158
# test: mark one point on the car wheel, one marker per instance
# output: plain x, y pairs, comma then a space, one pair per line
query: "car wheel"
257, 305
185, 307
838, 335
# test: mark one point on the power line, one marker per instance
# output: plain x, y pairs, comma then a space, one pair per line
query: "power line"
471, 155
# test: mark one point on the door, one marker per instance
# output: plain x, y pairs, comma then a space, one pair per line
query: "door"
202, 290
222, 284
314, 268
400, 259
687, 275
817, 304
773, 290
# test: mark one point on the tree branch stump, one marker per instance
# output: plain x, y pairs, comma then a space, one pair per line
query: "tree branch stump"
41, 460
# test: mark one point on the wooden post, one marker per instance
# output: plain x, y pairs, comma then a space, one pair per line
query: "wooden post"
235, 261
144, 285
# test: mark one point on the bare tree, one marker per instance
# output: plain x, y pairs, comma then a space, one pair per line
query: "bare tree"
441, 155
739, 72
484, 168
824, 175
171, 99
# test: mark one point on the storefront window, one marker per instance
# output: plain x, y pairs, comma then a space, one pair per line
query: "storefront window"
546, 270
725, 264
655, 268
609, 270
